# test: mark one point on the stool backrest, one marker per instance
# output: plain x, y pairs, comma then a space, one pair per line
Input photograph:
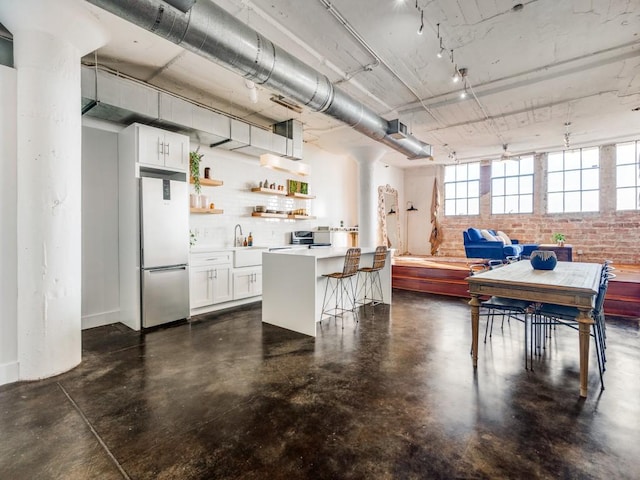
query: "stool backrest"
379, 258
351, 262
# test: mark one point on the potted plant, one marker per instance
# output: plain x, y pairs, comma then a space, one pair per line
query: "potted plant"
194, 166
559, 238
194, 172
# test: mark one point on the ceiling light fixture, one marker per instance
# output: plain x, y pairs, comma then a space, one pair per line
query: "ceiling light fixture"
459, 74
566, 134
463, 94
421, 22
506, 154
441, 51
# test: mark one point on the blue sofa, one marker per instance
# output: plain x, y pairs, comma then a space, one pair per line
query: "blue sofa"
476, 246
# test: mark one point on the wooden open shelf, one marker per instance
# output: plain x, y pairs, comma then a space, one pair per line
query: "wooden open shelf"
214, 211
301, 195
282, 215
269, 215
268, 191
208, 182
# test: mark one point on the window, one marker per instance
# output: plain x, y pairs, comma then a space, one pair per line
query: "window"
573, 181
512, 186
628, 176
462, 189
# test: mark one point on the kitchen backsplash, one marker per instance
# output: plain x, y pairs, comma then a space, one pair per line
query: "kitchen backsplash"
240, 173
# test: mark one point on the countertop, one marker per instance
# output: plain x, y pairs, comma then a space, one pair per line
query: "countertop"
324, 252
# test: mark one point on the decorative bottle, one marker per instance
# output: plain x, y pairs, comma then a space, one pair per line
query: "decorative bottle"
250, 240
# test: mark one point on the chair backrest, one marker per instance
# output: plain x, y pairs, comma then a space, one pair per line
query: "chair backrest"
478, 268
351, 262
379, 258
602, 291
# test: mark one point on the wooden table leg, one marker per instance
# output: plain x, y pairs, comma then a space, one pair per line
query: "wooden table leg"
584, 329
475, 323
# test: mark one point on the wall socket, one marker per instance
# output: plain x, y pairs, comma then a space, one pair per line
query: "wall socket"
579, 252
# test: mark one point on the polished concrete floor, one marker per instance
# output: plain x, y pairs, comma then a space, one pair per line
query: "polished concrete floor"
392, 397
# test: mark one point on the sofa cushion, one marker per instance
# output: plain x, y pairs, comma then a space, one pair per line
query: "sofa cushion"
487, 236
474, 234
505, 237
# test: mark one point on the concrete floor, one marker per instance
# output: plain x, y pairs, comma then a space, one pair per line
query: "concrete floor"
393, 397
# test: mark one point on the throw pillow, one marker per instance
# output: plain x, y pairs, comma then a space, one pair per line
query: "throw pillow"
505, 237
487, 236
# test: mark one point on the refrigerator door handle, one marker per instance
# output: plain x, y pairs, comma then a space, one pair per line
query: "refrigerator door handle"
164, 269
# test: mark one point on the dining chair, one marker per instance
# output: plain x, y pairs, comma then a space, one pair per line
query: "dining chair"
505, 307
552, 314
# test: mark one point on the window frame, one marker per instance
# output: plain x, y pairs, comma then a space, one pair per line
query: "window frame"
504, 177
577, 192
636, 163
457, 186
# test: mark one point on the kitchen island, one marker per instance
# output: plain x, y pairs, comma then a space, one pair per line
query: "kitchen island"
293, 286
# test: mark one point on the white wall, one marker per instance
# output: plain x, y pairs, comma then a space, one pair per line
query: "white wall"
8, 240
100, 293
418, 188
333, 180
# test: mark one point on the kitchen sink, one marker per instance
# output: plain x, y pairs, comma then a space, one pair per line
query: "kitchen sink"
248, 256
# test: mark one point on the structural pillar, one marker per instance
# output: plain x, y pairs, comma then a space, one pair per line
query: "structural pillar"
47, 55
367, 158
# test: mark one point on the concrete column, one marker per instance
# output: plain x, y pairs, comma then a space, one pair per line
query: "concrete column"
367, 158
47, 56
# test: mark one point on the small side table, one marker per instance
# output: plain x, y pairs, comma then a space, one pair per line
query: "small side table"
564, 254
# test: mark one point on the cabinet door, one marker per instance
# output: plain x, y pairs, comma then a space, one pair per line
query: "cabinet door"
222, 287
201, 287
242, 285
247, 283
256, 288
176, 151
150, 146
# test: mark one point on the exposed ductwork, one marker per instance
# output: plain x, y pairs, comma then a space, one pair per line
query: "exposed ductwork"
211, 32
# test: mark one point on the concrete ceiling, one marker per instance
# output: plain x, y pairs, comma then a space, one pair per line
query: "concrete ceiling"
531, 69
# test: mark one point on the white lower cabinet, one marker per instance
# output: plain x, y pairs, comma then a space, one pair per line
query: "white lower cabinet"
247, 282
210, 279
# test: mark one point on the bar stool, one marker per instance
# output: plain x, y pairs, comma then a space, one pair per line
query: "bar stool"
342, 286
372, 285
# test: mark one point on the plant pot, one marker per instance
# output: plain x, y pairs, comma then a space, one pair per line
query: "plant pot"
543, 260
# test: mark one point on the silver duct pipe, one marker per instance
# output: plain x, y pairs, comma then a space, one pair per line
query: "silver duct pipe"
211, 32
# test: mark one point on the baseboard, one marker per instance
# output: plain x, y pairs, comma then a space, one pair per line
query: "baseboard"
100, 319
9, 372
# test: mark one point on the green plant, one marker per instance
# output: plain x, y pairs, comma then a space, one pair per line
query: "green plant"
194, 168
192, 238
558, 237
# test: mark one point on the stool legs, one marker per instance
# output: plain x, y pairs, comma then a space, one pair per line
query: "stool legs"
372, 288
343, 287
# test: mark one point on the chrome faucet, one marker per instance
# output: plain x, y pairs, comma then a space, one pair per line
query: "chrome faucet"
235, 235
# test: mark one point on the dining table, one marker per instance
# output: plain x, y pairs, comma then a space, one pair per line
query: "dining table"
573, 284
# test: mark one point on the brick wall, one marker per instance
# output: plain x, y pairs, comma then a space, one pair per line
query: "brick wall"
607, 234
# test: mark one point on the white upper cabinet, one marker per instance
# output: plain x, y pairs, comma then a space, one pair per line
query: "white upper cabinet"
160, 148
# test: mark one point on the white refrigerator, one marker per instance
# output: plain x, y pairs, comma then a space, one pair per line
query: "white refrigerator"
164, 250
